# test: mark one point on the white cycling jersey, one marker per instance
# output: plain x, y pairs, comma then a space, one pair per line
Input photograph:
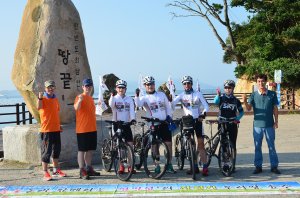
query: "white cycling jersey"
156, 105
191, 103
122, 108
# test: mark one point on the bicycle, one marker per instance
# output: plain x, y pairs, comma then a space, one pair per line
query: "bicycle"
150, 150
185, 147
115, 151
226, 155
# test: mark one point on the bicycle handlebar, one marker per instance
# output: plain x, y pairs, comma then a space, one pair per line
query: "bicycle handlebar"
221, 121
152, 119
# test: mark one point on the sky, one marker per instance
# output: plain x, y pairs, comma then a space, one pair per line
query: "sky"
131, 38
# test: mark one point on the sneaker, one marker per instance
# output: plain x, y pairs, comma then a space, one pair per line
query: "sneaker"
83, 174
133, 171
59, 173
157, 169
121, 169
226, 168
92, 172
205, 172
275, 170
257, 170
170, 169
47, 176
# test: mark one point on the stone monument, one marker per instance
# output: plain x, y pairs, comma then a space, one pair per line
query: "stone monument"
51, 46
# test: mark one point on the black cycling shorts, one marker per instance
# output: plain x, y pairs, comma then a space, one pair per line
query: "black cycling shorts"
198, 128
87, 141
164, 133
127, 133
50, 146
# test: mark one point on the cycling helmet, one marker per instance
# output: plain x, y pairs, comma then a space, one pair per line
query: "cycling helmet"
187, 79
121, 83
148, 79
229, 83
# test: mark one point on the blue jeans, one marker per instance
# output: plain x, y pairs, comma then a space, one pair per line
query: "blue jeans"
258, 134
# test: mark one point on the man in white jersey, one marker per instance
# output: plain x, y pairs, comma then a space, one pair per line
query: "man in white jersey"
158, 106
191, 101
123, 110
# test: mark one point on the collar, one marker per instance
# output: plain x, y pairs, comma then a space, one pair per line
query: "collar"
228, 96
48, 96
261, 93
189, 91
150, 92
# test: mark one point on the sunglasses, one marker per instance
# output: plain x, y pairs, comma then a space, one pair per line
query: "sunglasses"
51, 87
88, 85
227, 87
121, 87
186, 83
149, 84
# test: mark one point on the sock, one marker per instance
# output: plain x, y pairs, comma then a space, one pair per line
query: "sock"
54, 169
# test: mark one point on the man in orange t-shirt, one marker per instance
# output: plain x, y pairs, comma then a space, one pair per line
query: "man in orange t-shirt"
86, 129
48, 107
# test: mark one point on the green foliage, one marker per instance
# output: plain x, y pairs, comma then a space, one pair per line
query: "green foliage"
270, 40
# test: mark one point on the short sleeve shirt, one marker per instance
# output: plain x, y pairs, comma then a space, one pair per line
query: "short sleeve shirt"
85, 116
263, 107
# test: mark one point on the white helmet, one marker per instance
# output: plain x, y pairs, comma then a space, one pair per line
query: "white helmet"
187, 79
148, 79
229, 83
121, 83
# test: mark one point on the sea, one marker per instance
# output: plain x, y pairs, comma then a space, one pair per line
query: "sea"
12, 97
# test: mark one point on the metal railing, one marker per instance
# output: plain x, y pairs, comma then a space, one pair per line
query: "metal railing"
22, 115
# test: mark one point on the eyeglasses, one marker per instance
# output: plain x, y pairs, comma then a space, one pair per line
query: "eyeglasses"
227, 87
88, 85
51, 87
149, 84
121, 87
186, 83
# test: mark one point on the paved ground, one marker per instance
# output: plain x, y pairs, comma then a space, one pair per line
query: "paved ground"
287, 144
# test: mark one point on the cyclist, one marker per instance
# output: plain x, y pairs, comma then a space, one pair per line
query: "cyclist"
230, 108
123, 110
191, 101
158, 106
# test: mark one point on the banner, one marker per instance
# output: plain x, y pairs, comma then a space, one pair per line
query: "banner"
101, 106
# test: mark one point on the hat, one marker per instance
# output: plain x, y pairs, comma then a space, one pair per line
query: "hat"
88, 82
49, 83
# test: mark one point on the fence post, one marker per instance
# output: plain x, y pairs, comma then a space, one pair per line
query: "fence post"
293, 99
17, 114
23, 113
30, 118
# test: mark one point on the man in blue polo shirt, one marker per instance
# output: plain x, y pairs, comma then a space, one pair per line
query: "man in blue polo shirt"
264, 103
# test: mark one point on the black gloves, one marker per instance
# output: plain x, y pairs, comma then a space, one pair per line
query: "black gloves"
203, 115
137, 92
133, 122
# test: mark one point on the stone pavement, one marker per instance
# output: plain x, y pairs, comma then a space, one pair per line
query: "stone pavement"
287, 145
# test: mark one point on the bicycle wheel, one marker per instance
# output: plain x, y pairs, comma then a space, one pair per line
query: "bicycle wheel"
156, 159
208, 151
191, 157
106, 155
226, 157
138, 151
179, 153
124, 161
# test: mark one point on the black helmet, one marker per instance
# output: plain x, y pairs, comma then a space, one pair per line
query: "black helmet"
229, 83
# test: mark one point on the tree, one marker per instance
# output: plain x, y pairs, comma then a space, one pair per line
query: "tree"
274, 36
211, 12
269, 40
